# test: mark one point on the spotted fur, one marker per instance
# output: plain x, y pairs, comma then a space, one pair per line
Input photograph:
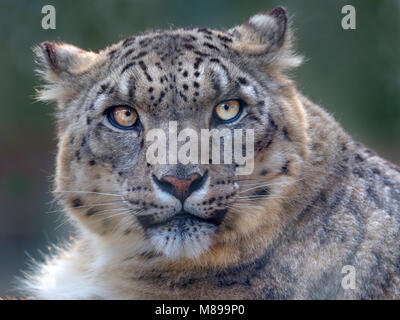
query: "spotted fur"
316, 201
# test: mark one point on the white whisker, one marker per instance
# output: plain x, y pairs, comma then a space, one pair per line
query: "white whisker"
104, 212
119, 213
89, 192
93, 205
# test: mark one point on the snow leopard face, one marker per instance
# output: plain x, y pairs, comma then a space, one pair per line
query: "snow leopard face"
194, 78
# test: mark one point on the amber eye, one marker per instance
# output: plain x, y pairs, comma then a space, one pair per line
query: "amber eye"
228, 111
122, 117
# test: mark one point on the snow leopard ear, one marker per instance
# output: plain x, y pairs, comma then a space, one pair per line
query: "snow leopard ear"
65, 59
62, 66
267, 37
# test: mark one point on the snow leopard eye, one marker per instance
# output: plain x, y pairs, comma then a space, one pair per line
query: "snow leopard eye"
122, 117
228, 111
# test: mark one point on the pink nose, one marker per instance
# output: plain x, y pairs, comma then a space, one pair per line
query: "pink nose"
181, 188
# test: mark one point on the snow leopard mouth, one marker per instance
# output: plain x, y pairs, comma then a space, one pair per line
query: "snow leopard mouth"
182, 219
183, 235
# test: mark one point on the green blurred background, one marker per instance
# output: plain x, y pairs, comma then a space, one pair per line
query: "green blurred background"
355, 74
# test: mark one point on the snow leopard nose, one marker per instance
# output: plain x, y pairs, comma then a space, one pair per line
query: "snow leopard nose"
181, 188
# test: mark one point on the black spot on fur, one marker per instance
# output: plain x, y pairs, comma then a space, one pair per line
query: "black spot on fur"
272, 123
269, 135
189, 38
242, 81
265, 191
224, 38
127, 67
285, 133
219, 216
376, 171
197, 63
145, 220
242, 273
145, 42
158, 65
209, 45
90, 212
112, 53
144, 68
285, 168
204, 30
139, 55
162, 95
103, 88
77, 202
183, 96
111, 90
128, 41
372, 195
188, 46
132, 87
216, 85
129, 52
339, 195
201, 54
358, 172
